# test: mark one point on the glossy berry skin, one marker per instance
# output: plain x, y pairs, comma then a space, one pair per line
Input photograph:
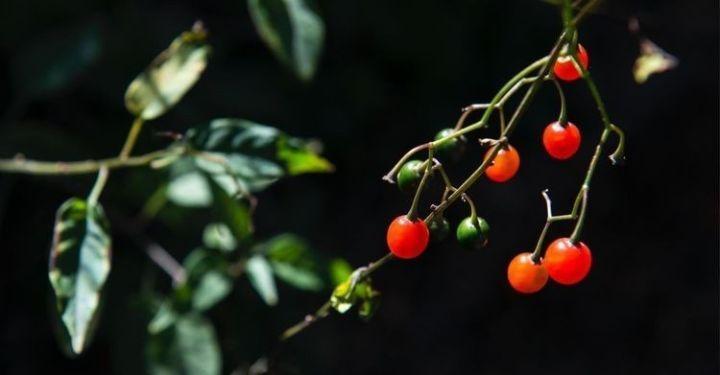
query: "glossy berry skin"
407, 239
567, 263
451, 148
409, 175
564, 67
473, 235
505, 165
561, 142
525, 276
439, 229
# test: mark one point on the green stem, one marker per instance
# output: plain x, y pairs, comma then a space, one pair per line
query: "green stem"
98, 187
35, 167
562, 117
413, 212
131, 138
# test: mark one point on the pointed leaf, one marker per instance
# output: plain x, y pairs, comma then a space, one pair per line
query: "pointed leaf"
169, 76
292, 31
79, 267
293, 262
261, 278
191, 347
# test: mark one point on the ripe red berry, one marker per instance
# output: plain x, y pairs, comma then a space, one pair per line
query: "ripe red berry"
525, 276
407, 239
561, 142
505, 165
565, 68
567, 263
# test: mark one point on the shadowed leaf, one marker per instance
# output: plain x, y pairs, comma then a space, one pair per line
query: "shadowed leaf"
190, 347
292, 31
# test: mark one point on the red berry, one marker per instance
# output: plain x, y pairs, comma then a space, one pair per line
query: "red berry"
505, 165
567, 263
561, 142
565, 68
525, 276
407, 239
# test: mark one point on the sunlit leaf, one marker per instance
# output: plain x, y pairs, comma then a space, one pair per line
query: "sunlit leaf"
79, 267
190, 347
169, 76
652, 60
339, 270
190, 190
293, 262
242, 156
292, 31
343, 297
299, 157
261, 278
219, 236
51, 63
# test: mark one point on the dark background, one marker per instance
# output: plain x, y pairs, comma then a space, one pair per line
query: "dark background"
392, 74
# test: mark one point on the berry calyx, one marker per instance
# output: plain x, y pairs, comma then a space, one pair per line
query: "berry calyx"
472, 233
564, 67
566, 262
505, 165
407, 238
449, 148
409, 175
561, 142
525, 276
439, 229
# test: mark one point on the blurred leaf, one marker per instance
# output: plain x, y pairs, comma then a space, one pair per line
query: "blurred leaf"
242, 156
293, 262
345, 296
207, 279
652, 60
233, 212
189, 348
218, 236
339, 270
292, 31
190, 190
299, 158
169, 76
212, 288
79, 266
163, 319
370, 300
50, 64
261, 278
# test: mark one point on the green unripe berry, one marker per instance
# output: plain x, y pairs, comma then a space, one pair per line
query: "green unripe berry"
450, 148
473, 234
410, 175
439, 229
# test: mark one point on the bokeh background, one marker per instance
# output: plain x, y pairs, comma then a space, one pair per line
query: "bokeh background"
392, 74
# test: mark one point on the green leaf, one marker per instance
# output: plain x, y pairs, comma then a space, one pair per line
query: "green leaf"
190, 190
261, 278
51, 63
242, 156
190, 347
233, 212
212, 288
169, 76
292, 31
652, 60
164, 318
343, 297
207, 280
219, 236
299, 157
339, 270
79, 267
293, 262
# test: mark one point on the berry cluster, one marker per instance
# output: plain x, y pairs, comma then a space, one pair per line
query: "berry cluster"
567, 261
